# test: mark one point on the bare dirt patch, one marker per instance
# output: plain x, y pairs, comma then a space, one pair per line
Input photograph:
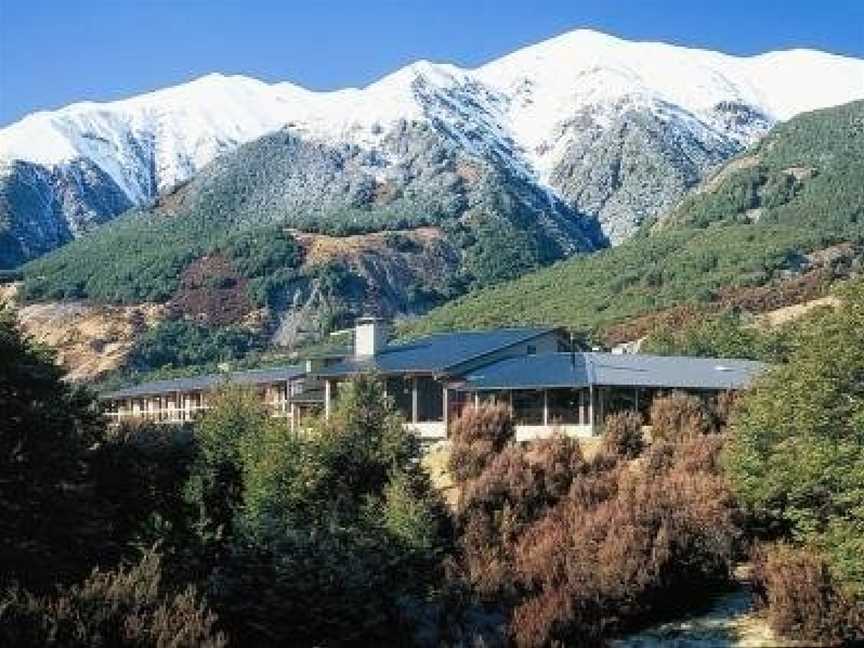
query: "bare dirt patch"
321, 248
90, 340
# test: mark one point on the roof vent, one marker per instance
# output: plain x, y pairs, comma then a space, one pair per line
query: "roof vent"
370, 336
723, 368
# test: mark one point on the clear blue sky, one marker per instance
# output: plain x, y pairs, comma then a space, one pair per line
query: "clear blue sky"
54, 53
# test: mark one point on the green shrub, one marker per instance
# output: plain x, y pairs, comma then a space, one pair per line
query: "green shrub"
181, 343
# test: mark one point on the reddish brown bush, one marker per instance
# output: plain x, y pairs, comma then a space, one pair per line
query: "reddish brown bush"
126, 607
559, 459
622, 435
680, 417
722, 407
476, 437
802, 599
624, 543
517, 487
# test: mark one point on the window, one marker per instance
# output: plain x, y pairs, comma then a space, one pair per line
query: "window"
492, 398
532, 350
430, 399
528, 407
399, 389
564, 405
620, 399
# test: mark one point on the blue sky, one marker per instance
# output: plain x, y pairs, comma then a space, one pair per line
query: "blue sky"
54, 53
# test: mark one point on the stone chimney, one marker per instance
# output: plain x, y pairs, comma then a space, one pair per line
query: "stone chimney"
370, 336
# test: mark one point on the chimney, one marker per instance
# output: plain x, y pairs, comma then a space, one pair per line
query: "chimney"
370, 336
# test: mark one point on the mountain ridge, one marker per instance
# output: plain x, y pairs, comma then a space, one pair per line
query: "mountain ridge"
582, 104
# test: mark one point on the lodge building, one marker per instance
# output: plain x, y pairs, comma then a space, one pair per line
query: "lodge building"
535, 371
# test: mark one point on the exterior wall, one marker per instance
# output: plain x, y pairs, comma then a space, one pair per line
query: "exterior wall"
529, 432
428, 431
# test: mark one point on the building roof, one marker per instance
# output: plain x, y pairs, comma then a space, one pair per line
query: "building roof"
208, 382
435, 354
608, 369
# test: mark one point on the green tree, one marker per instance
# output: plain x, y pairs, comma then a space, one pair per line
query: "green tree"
797, 456
52, 526
333, 537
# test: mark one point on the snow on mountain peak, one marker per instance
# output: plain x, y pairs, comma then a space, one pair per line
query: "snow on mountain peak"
160, 138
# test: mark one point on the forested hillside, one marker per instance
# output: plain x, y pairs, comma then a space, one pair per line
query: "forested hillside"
789, 210
292, 239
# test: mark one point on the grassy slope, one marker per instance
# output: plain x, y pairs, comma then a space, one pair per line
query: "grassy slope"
708, 243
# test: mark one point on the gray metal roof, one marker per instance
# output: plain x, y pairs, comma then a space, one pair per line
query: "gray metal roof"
530, 372
207, 382
436, 353
609, 369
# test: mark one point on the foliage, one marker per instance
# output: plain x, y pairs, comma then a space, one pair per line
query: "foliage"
180, 343
679, 417
721, 336
49, 505
141, 257
510, 489
475, 438
572, 551
623, 544
126, 607
797, 456
319, 538
236, 422
622, 435
802, 598
141, 470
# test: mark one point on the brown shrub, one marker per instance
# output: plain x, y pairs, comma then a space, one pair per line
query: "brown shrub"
517, 487
722, 407
625, 542
622, 435
476, 437
559, 459
680, 417
802, 599
125, 607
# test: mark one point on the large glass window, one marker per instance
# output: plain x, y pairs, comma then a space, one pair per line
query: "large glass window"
564, 406
400, 390
620, 399
458, 402
493, 398
528, 407
430, 399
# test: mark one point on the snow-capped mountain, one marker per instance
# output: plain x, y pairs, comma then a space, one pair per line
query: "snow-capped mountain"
616, 129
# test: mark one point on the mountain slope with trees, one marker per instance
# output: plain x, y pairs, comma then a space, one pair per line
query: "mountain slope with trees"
790, 209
